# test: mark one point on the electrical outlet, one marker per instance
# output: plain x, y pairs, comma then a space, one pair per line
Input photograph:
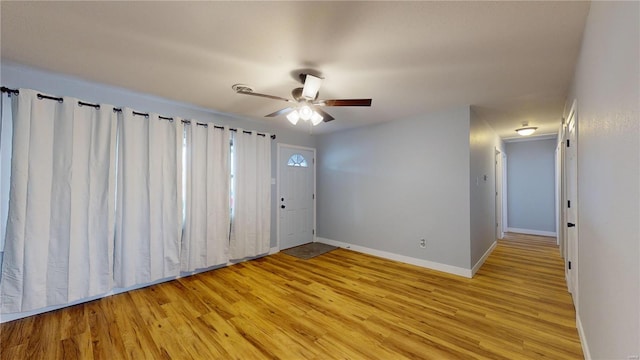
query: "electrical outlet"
423, 243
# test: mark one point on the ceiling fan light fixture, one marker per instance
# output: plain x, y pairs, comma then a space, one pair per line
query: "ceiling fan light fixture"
526, 131
293, 117
316, 118
305, 112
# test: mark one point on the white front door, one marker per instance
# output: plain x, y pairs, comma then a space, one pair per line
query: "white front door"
571, 229
296, 196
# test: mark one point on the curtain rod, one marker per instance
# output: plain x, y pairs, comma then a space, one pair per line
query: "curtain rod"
97, 106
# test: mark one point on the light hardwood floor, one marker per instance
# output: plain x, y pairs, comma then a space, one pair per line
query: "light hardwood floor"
339, 305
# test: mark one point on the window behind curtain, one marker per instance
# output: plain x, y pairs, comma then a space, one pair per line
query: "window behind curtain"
5, 166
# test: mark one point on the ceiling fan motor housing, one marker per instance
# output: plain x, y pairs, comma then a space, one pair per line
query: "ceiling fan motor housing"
297, 94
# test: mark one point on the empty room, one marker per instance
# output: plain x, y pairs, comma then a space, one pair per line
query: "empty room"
320, 180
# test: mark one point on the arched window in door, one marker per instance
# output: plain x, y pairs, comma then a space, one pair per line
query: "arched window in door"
297, 160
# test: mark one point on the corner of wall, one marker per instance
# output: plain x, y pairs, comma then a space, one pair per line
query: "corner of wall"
484, 257
483, 142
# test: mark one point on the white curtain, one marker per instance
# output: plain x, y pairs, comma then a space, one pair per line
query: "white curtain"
149, 210
251, 222
59, 241
205, 241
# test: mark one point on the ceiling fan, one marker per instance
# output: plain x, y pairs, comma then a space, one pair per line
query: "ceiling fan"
305, 104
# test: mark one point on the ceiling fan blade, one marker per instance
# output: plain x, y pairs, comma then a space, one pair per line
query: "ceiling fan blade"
280, 112
311, 87
344, 102
263, 95
325, 115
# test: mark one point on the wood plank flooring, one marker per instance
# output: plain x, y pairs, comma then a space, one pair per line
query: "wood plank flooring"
340, 305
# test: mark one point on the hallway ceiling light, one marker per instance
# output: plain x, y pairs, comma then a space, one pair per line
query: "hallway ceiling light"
526, 130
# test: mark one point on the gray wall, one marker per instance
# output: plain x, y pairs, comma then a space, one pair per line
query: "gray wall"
531, 185
606, 86
483, 142
16, 76
386, 186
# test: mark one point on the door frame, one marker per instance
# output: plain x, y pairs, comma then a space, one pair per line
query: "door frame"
505, 209
499, 180
278, 194
559, 154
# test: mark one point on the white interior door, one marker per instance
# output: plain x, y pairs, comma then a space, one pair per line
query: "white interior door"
296, 197
571, 207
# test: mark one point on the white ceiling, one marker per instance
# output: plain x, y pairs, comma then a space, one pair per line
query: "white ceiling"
512, 61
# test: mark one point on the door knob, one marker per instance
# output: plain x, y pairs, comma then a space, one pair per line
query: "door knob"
282, 206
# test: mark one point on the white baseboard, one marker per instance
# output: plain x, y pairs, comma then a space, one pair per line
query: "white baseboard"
455, 270
583, 339
484, 257
274, 250
532, 232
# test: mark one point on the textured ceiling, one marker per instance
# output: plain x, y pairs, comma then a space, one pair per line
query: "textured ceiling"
512, 61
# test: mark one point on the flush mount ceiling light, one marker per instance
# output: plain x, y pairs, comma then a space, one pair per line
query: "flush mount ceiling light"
305, 104
526, 130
